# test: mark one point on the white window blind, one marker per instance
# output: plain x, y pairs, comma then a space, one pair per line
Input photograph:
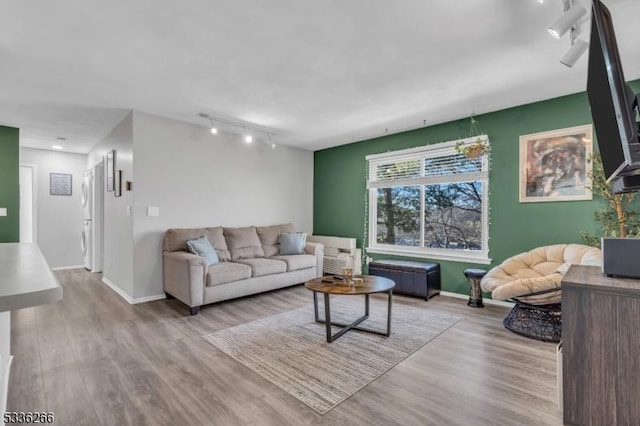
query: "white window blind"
431, 164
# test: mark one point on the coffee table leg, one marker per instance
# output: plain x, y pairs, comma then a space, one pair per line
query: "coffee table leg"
327, 317
389, 312
366, 304
315, 305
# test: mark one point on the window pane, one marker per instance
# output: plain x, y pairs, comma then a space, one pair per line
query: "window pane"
453, 216
398, 220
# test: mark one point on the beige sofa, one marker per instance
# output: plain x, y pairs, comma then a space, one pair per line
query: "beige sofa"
249, 263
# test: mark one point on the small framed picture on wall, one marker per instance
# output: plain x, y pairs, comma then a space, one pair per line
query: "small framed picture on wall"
111, 160
60, 183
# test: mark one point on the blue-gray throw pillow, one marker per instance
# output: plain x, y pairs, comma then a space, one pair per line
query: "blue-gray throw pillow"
292, 242
202, 247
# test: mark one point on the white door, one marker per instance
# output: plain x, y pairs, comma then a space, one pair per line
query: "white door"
27, 181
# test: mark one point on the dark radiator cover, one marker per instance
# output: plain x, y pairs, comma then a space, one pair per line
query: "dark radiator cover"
412, 278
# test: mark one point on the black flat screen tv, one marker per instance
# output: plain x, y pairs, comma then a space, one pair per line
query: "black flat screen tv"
613, 105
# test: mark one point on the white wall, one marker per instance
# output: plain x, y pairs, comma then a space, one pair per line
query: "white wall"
59, 217
198, 179
118, 225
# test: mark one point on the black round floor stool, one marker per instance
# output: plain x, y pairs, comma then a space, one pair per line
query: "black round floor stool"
475, 292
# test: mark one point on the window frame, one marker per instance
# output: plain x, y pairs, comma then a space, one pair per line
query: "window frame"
422, 153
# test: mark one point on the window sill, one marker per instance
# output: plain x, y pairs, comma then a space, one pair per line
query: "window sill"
454, 257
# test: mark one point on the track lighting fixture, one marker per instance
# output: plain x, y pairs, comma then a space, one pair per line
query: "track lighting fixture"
574, 53
572, 13
248, 131
568, 22
247, 136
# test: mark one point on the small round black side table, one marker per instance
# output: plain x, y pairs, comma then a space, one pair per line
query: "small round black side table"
475, 292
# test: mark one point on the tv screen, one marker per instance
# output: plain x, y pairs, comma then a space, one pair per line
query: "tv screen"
612, 103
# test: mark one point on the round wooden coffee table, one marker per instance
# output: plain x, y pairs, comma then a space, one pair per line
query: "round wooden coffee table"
370, 284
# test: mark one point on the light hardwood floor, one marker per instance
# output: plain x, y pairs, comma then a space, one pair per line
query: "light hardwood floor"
94, 359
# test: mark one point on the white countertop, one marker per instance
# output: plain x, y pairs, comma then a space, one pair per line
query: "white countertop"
25, 277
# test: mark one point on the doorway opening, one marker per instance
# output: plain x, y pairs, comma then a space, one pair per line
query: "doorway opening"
28, 208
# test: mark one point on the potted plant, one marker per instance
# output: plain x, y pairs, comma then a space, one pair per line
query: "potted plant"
472, 150
618, 217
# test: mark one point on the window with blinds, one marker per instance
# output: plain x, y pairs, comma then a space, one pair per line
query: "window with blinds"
429, 202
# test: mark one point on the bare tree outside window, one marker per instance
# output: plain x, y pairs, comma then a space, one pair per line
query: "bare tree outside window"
453, 215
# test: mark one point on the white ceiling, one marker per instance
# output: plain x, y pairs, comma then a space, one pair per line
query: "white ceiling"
318, 73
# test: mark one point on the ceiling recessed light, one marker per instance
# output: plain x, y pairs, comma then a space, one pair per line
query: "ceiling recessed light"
56, 147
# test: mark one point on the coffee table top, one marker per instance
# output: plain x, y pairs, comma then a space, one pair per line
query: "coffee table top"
370, 284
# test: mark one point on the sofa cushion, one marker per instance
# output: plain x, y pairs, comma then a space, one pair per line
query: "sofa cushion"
296, 262
269, 237
226, 272
292, 242
175, 239
262, 266
243, 243
202, 247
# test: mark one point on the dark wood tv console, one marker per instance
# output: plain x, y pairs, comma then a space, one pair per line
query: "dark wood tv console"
601, 348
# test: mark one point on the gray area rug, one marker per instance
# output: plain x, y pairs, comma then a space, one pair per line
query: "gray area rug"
291, 351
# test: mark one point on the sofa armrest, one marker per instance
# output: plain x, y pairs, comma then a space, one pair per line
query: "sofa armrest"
184, 276
317, 250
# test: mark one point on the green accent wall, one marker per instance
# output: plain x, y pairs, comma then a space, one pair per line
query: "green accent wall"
339, 183
9, 184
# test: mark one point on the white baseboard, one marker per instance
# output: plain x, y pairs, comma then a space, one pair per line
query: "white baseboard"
149, 298
117, 289
485, 301
62, 268
128, 298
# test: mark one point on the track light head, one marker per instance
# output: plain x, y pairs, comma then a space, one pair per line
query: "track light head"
247, 136
214, 129
566, 21
574, 53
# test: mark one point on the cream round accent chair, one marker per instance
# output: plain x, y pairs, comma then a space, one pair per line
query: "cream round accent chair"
533, 281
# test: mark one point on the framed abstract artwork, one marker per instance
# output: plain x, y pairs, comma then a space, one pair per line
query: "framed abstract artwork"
555, 165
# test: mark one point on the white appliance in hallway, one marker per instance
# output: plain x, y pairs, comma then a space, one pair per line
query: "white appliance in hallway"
97, 198
86, 244
87, 194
